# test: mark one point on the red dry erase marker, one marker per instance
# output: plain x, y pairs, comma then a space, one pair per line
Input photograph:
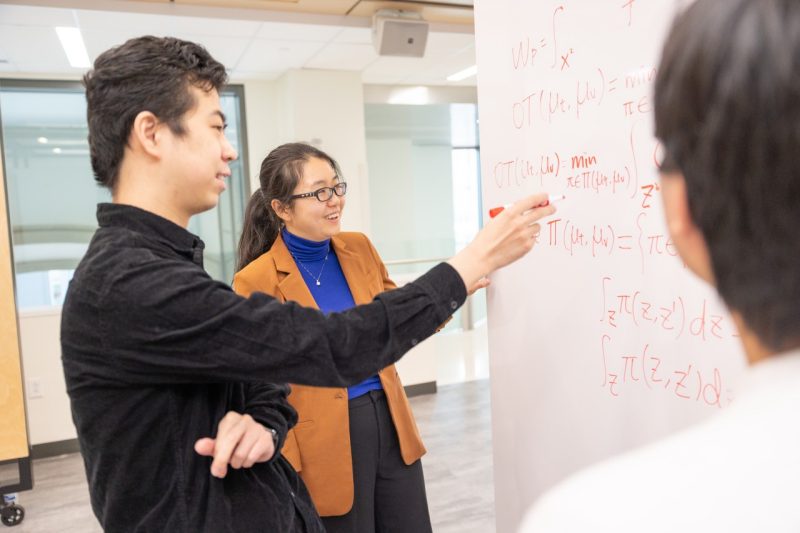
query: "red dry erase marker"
493, 212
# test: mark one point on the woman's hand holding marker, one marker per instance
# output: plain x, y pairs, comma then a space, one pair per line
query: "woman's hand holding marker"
508, 236
493, 212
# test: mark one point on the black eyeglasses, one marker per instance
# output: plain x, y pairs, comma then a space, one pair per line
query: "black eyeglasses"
324, 194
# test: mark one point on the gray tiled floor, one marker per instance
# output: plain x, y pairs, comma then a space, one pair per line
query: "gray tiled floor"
455, 424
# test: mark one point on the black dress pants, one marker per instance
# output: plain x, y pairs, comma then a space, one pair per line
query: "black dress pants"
389, 495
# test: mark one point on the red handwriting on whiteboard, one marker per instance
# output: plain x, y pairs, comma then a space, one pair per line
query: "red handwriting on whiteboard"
518, 170
544, 104
606, 239
586, 175
565, 59
629, 6
679, 316
647, 368
600, 180
547, 102
582, 172
590, 91
525, 51
639, 106
648, 194
578, 171
557, 11
640, 77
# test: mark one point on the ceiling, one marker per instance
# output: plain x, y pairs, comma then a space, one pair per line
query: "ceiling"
452, 11
255, 39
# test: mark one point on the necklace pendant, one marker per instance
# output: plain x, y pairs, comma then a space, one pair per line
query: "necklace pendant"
317, 283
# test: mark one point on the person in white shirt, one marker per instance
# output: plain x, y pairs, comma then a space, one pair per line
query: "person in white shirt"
727, 111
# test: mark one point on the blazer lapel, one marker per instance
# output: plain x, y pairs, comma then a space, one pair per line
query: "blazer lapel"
355, 271
292, 287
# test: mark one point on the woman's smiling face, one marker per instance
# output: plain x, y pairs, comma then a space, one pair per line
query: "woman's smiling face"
308, 217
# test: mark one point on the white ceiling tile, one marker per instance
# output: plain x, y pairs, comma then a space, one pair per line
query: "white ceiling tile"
469, 82
99, 40
436, 72
150, 24
316, 33
457, 62
355, 36
30, 44
275, 55
401, 65
390, 69
343, 57
379, 79
426, 79
36, 16
244, 75
443, 44
226, 50
33, 49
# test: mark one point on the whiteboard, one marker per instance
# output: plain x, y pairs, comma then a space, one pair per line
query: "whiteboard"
600, 339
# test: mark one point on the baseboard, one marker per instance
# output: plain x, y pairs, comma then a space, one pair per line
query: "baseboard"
418, 389
51, 449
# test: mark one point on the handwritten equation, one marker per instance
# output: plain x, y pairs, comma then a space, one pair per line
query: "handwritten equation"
543, 105
587, 170
677, 316
648, 368
574, 172
527, 49
599, 240
575, 116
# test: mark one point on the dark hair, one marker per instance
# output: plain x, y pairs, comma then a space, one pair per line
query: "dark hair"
727, 110
143, 74
280, 172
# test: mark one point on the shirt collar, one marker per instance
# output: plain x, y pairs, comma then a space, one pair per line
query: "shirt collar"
153, 226
776, 372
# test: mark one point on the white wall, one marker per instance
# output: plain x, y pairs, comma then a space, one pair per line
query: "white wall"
49, 416
264, 128
321, 107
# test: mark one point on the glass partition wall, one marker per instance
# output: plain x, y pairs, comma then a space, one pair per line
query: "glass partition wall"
52, 194
424, 187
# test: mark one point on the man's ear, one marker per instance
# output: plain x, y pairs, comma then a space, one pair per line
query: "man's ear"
685, 234
146, 133
281, 210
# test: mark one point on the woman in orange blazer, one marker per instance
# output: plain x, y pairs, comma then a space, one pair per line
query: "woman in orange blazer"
357, 449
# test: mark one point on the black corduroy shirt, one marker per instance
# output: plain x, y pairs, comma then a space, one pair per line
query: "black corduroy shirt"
155, 353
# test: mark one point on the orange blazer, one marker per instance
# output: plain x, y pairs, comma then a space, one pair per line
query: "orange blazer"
319, 445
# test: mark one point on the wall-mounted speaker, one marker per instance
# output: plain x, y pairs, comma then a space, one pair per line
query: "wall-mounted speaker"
399, 33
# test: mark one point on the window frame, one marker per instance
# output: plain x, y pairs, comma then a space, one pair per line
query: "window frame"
76, 87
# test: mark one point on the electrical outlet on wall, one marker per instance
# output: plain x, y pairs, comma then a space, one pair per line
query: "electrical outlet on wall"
35, 388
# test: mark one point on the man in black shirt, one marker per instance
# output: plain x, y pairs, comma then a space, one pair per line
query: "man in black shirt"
165, 366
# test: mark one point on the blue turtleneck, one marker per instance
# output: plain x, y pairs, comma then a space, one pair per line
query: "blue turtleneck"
333, 293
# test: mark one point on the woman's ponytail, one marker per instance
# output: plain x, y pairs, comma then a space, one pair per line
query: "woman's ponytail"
280, 173
260, 229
